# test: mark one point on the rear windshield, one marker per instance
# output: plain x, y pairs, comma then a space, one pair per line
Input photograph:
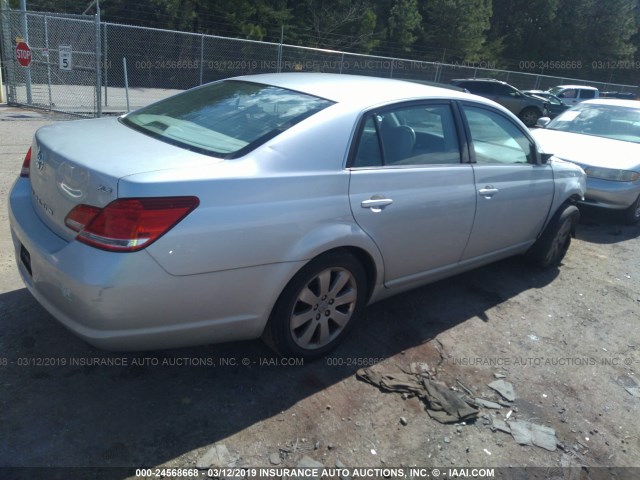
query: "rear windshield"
225, 119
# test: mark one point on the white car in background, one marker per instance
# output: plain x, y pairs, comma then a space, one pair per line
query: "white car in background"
574, 94
603, 137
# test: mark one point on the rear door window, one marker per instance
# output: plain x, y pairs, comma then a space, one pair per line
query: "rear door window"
415, 135
587, 94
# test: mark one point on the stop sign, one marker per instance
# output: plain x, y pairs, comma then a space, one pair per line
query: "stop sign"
23, 54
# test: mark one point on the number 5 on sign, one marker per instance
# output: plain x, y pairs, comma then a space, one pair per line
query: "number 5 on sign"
64, 54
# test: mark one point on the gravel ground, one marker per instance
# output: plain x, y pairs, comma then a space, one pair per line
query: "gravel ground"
566, 339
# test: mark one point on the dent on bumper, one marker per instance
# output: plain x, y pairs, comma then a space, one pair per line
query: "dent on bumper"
126, 301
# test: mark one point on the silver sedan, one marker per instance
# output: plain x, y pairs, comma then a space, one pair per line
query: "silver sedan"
603, 137
278, 206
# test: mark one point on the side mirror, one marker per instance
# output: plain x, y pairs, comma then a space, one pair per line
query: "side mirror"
545, 157
543, 122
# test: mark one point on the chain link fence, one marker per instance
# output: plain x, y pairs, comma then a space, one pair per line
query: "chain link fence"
44, 83
112, 67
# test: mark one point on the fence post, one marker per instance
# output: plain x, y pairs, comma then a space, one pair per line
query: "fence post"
46, 46
201, 57
98, 66
25, 32
105, 60
2, 100
5, 30
280, 49
126, 82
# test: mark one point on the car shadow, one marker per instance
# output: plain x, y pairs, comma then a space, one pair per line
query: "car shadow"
69, 404
598, 225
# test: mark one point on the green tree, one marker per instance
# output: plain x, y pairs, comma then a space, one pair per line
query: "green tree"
459, 26
334, 24
520, 29
404, 24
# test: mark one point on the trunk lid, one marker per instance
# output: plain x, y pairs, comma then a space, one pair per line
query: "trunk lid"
80, 162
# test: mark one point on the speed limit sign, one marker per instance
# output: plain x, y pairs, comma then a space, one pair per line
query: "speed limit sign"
64, 55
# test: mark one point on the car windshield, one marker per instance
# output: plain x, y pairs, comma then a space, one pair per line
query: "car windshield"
225, 119
555, 90
610, 121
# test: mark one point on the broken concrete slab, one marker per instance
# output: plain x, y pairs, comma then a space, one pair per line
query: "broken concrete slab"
216, 456
504, 389
443, 405
635, 391
310, 463
527, 433
487, 403
501, 425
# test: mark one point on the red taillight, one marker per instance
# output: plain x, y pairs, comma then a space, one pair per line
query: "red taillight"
128, 224
26, 165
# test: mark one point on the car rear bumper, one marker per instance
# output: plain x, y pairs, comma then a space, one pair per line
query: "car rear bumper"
609, 194
126, 301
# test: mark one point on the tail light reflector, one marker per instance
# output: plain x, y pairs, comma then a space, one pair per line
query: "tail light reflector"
128, 224
26, 165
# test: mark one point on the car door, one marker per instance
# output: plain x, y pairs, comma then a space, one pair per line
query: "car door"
586, 94
569, 96
508, 97
409, 189
514, 192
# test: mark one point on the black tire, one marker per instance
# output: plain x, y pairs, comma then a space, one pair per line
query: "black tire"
632, 214
551, 247
530, 116
325, 296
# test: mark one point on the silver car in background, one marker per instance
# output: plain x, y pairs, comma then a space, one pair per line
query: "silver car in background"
603, 137
279, 206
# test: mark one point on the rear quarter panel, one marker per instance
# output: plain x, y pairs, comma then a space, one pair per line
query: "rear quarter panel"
286, 201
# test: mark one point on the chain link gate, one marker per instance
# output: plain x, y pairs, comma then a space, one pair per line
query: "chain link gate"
62, 74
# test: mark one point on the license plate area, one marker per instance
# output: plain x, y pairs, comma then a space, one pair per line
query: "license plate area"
25, 258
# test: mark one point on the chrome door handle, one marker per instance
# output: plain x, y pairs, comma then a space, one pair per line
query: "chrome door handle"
376, 204
488, 191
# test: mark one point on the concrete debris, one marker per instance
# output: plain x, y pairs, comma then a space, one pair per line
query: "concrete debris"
499, 375
635, 391
216, 456
419, 368
392, 382
505, 389
526, 433
308, 462
501, 425
343, 474
487, 403
275, 459
443, 405
464, 387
